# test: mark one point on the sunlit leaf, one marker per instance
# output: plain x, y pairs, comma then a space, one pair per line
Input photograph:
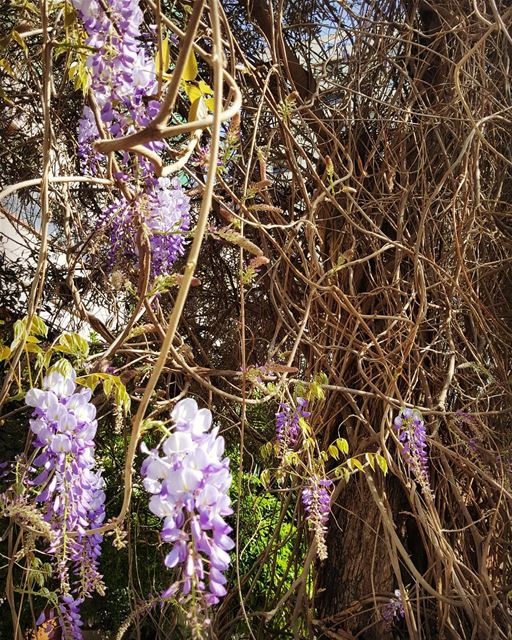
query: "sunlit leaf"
333, 452
19, 40
4, 64
111, 383
342, 445
38, 327
74, 344
382, 463
190, 69
5, 353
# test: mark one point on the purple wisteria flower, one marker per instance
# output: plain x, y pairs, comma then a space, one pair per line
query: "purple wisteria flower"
123, 81
69, 487
164, 209
189, 484
393, 611
317, 504
87, 134
411, 432
120, 68
287, 424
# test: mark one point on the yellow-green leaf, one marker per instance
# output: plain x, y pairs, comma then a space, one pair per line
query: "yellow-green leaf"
38, 327
6, 67
19, 40
190, 70
193, 92
74, 344
5, 353
382, 463
265, 478
371, 460
6, 98
354, 462
110, 383
205, 88
32, 348
69, 15
342, 445
64, 367
20, 332
149, 425
198, 110
333, 452
304, 426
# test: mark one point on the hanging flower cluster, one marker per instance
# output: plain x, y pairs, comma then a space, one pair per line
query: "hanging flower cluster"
124, 85
317, 500
287, 424
393, 611
165, 209
411, 432
70, 489
189, 484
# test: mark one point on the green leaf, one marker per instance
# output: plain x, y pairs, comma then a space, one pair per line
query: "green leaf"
111, 383
265, 478
4, 64
370, 459
69, 15
354, 462
304, 426
74, 344
382, 463
342, 445
333, 452
19, 40
38, 327
5, 353
190, 69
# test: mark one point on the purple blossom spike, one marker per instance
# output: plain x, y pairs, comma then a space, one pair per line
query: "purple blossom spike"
317, 500
189, 486
69, 488
287, 424
393, 611
164, 209
123, 81
411, 432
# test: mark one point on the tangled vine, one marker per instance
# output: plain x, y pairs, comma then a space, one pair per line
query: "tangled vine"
298, 216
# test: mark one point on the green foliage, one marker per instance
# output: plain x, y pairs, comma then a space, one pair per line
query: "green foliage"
73, 344
111, 384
